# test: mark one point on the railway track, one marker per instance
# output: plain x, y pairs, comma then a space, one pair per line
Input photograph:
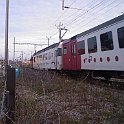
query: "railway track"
113, 83
111, 80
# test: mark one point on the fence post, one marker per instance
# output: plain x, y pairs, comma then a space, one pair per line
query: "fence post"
10, 96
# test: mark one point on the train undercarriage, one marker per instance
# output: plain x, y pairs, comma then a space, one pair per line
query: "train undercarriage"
107, 75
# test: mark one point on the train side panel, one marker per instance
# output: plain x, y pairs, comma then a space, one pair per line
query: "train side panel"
102, 49
48, 58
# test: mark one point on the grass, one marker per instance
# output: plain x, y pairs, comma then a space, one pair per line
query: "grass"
48, 98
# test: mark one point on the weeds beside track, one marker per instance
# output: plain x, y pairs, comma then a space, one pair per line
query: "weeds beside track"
46, 97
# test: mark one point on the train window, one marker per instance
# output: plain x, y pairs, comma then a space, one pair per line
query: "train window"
73, 49
59, 52
40, 56
43, 56
49, 57
55, 53
46, 56
81, 47
92, 44
106, 41
121, 37
65, 50
52, 55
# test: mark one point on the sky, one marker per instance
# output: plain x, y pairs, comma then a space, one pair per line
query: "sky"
34, 21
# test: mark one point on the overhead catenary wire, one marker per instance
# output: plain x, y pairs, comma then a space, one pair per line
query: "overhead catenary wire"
77, 27
70, 15
93, 7
64, 12
82, 10
96, 13
82, 14
95, 18
78, 15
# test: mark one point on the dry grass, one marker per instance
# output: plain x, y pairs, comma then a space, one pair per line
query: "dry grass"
1, 93
47, 98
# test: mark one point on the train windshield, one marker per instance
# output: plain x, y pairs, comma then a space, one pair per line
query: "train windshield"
59, 52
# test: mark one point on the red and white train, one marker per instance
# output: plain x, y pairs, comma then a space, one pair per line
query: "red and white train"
99, 50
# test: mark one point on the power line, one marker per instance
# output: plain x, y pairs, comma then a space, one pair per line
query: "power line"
93, 9
81, 21
79, 11
34, 44
65, 11
86, 11
78, 16
96, 13
30, 44
60, 17
87, 17
100, 14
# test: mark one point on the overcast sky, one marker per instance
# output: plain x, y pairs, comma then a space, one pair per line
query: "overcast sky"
30, 21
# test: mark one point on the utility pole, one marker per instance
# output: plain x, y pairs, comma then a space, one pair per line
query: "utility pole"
4, 101
22, 55
62, 4
60, 31
6, 35
48, 38
8, 101
67, 7
14, 51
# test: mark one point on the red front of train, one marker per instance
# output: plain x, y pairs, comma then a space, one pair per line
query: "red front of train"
71, 60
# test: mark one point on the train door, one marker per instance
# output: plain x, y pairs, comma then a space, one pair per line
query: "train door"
55, 59
66, 58
75, 57
59, 58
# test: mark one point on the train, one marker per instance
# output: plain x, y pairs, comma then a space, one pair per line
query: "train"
99, 50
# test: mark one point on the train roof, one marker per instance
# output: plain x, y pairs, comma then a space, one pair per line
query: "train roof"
110, 22
47, 48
